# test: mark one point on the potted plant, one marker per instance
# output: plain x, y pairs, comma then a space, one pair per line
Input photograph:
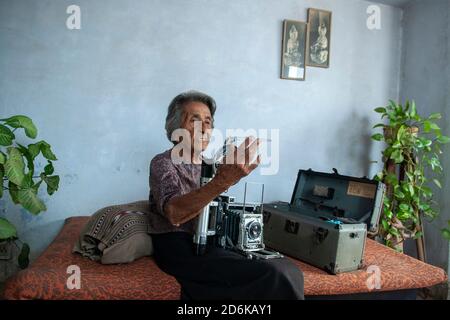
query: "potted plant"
411, 158
17, 174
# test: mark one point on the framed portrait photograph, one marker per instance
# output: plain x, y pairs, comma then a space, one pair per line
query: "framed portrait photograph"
318, 51
294, 50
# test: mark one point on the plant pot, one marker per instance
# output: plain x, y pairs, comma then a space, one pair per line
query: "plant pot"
6, 250
8, 259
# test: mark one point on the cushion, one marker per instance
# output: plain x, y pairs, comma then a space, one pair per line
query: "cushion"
136, 246
116, 234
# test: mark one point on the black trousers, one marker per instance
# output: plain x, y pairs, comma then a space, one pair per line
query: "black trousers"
224, 274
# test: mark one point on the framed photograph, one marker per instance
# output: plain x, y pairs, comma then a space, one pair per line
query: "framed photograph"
294, 50
318, 51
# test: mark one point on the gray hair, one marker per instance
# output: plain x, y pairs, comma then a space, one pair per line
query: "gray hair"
175, 111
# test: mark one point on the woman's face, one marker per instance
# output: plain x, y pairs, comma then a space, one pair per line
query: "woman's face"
197, 113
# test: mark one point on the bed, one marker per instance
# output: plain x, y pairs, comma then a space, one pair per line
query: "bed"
47, 277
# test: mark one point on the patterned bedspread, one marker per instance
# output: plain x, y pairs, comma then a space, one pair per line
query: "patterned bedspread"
48, 276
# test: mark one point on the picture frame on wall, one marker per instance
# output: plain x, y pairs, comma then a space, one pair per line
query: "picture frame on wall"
293, 62
319, 36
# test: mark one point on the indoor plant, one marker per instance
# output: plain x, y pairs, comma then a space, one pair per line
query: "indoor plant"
413, 145
22, 183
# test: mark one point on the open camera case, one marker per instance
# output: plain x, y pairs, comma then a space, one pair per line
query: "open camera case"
327, 221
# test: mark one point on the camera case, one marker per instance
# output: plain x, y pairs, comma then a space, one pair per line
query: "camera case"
327, 221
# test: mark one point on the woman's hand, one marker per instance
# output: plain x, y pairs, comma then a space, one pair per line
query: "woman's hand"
238, 163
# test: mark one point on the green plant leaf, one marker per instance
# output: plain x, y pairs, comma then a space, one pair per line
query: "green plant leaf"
400, 132
389, 214
14, 166
397, 145
403, 215
391, 179
418, 235
28, 181
411, 190
398, 194
446, 233
418, 144
380, 110
6, 136
404, 207
46, 151
37, 185
2, 174
2, 158
377, 137
388, 151
397, 156
424, 206
29, 200
34, 149
436, 182
407, 105
20, 121
394, 231
26, 153
413, 111
52, 183
426, 191
399, 110
378, 125
385, 225
7, 229
410, 176
426, 142
23, 258
43, 147
379, 176
435, 116
435, 163
13, 190
443, 139
392, 105
48, 169
431, 213
426, 126
434, 126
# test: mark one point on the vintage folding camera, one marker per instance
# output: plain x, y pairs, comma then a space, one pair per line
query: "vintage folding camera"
239, 226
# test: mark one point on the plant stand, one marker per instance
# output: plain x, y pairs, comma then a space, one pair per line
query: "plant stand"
399, 169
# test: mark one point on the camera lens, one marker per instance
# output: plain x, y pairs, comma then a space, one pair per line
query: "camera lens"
254, 230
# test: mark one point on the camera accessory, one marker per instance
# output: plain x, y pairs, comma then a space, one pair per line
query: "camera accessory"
203, 227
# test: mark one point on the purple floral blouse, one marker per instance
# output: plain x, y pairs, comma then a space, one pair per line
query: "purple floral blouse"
169, 180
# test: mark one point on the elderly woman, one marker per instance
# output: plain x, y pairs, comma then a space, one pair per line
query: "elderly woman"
176, 199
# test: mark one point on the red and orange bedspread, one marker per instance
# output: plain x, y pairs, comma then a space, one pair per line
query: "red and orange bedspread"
47, 277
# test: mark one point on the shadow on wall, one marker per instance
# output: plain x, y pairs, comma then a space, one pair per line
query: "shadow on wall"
350, 154
41, 236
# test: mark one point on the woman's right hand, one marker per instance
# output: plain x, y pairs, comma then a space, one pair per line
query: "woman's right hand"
238, 163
